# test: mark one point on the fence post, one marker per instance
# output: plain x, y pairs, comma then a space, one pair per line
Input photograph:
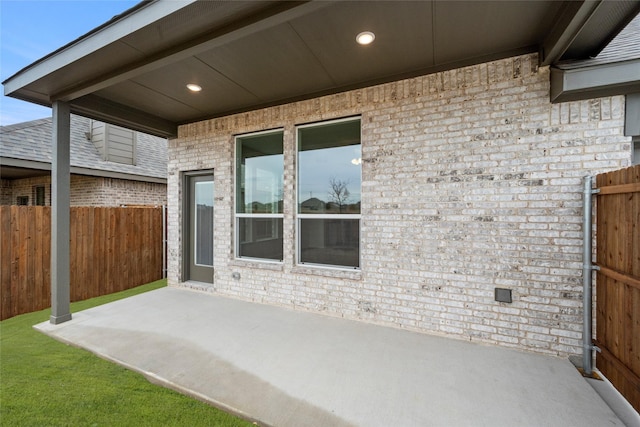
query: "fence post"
587, 279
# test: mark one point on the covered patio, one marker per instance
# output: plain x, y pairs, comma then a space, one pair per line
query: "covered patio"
290, 367
282, 367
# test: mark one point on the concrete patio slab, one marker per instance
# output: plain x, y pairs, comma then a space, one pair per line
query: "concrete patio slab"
282, 367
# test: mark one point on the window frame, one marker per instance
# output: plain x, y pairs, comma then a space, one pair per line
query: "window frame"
299, 217
237, 216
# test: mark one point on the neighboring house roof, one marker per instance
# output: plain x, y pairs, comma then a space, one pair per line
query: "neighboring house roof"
28, 145
615, 71
248, 55
624, 47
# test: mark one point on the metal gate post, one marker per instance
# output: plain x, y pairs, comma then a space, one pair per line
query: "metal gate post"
587, 279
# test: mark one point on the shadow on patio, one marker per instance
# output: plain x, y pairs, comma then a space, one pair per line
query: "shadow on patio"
289, 368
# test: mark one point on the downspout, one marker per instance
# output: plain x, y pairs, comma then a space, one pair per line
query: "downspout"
587, 280
164, 241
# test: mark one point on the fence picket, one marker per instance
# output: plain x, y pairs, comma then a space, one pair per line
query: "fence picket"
111, 249
618, 293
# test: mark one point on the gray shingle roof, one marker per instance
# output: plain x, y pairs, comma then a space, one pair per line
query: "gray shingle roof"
624, 47
32, 141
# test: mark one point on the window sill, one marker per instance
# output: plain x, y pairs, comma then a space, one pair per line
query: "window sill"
348, 274
257, 263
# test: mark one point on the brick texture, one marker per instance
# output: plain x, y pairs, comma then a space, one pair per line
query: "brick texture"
90, 191
5, 192
472, 180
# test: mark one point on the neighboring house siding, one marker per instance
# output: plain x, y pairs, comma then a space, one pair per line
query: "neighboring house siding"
93, 191
471, 180
115, 144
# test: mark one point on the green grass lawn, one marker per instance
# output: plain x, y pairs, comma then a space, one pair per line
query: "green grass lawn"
46, 383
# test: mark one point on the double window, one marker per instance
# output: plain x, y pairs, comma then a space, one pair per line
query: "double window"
328, 182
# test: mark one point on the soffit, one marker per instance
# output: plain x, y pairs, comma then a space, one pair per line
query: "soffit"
251, 54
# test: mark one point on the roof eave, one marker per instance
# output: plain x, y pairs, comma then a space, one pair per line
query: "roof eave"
108, 33
595, 81
79, 170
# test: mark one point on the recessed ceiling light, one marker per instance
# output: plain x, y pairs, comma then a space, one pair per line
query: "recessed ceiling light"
365, 37
194, 87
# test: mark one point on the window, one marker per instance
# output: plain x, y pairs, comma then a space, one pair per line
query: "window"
38, 195
203, 223
329, 193
635, 156
259, 191
22, 201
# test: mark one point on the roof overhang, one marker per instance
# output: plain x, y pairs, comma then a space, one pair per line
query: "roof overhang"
19, 168
132, 71
595, 81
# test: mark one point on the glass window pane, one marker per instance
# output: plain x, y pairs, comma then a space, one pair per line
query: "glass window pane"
329, 172
330, 241
204, 223
260, 238
39, 195
259, 173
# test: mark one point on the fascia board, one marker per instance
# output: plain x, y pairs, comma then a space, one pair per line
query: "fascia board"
118, 175
25, 164
77, 170
596, 81
88, 44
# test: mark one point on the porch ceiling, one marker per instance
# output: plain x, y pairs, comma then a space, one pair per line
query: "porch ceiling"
133, 70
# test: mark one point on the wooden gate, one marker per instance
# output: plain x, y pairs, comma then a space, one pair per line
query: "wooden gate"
618, 280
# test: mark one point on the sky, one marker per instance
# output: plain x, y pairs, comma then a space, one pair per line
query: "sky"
31, 29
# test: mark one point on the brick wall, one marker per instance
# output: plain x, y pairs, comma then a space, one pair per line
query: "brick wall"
92, 191
472, 180
5, 192
24, 187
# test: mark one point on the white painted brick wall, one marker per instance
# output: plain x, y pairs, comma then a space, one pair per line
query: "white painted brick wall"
471, 181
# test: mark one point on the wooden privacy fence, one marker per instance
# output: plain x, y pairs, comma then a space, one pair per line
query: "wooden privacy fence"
111, 249
618, 280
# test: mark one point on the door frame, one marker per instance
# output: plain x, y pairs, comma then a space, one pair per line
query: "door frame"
186, 240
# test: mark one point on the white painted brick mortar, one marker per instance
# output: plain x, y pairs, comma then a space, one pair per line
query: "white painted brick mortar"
471, 181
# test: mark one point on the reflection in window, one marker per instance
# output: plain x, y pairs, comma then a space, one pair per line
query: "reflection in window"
330, 241
260, 237
259, 191
329, 193
204, 223
39, 195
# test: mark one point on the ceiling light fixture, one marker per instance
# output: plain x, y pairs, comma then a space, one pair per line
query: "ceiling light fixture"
194, 87
365, 37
